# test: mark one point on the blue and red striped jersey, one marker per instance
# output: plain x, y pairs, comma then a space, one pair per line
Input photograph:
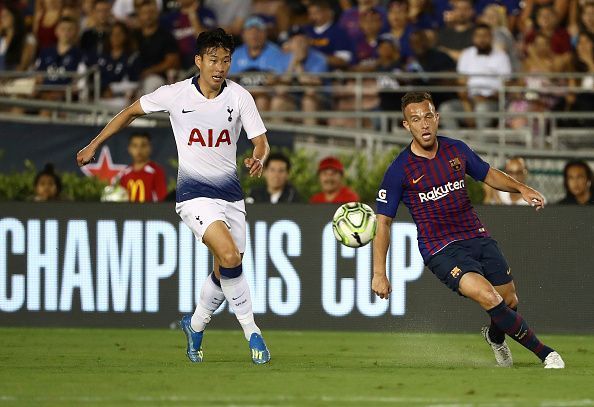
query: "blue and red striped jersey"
434, 192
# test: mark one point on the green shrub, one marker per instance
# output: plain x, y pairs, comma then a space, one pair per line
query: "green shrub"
18, 186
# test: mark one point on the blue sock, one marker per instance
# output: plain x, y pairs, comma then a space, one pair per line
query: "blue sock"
496, 335
517, 328
231, 272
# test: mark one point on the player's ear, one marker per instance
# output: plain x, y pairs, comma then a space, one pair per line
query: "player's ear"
405, 124
198, 60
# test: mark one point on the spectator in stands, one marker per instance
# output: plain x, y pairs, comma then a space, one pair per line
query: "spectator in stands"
65, 57
366, 44
117, 67
17, 47
327, 36
143, 179
427, 58
577, 180
389, 61
258, 55
516, 168
458, 32
301, 59
47, 185
584, 63
45, 20
494, 16
482, 91
333, 190
94, 37
185, 23
230, 14
158, 56
400, 27
350, 19
586, 21
277, 16
529, 17
548, 26
425, 14
126, 11
278, 189
510, 10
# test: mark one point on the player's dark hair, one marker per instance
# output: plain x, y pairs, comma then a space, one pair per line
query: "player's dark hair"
48, 171
587, 169
415, 97
278, 157
216, 38
139, 135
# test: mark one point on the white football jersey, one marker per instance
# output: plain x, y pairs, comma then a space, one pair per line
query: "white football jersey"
206, 133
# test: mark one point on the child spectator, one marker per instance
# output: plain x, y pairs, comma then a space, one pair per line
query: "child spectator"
47, 185
144, 179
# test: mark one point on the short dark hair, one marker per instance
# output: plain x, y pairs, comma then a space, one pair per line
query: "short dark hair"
278, 157
216, 38
415, 97
139, 135
49, 171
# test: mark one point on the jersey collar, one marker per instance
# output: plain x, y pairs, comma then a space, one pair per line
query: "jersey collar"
195, 83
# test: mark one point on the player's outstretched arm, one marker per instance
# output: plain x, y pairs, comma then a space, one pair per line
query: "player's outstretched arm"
261, 150
120, 121
380, 284
500, 180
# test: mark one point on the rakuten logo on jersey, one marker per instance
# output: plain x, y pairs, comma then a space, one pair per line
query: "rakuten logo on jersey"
196, 137
441, 192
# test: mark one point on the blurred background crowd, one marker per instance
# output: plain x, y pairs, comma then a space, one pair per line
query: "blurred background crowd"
312, 56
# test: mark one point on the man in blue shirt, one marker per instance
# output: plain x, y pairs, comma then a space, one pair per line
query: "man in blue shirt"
257, 54
56, 61
327, 36
300, 60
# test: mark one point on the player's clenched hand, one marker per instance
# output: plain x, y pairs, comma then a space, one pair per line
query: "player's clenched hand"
255, 166
381, 286
533, 197
85, 156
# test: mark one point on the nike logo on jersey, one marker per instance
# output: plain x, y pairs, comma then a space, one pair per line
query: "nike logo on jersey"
187, 111
414, 181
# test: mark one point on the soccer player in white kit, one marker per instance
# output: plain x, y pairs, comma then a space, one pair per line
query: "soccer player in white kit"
207, 113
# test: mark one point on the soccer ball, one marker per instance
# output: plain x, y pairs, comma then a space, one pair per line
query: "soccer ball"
354, 224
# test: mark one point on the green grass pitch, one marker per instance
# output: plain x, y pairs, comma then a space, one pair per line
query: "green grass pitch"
148, 367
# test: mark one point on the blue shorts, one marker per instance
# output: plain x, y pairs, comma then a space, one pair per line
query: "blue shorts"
480, 255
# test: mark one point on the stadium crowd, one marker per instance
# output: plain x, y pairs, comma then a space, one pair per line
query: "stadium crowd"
139, 45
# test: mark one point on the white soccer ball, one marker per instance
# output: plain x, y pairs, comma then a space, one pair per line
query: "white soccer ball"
354, 224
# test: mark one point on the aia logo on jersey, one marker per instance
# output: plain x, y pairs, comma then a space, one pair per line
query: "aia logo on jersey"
455, 164
197, 137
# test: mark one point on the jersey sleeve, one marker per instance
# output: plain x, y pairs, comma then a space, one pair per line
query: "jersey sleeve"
250, 117
476, 167
157, 101
390, 192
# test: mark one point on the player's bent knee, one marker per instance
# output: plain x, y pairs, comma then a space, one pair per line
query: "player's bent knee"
489, 298
230, 259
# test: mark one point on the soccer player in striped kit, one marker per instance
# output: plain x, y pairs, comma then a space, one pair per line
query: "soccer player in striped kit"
207, 113
428, 177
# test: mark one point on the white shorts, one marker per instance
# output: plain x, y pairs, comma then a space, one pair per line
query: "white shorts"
199, 213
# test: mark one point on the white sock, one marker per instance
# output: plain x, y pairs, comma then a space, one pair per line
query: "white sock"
237, 292
211, 297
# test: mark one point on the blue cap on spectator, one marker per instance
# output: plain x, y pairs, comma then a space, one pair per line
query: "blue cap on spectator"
254, 21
